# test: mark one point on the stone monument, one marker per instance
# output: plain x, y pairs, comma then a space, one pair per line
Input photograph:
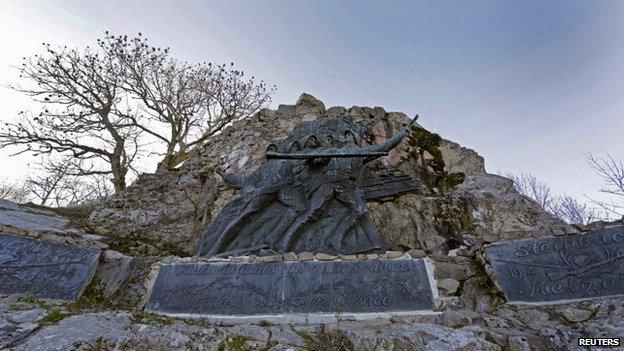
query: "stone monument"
308, 196
43, 269
560, 269
318, 288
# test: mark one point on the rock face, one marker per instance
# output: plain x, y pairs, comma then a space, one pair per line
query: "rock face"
461, 159
499, 212
113, 271
34, 222
172, 208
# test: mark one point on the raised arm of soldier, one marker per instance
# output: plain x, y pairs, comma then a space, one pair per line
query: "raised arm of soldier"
394, 140
230, 179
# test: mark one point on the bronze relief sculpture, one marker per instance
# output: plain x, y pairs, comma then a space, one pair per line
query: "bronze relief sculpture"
310, 194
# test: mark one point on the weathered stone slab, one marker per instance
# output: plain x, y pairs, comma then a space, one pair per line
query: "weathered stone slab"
271, 288
114, 270
9, 205
14, 216
43, 269
560, 269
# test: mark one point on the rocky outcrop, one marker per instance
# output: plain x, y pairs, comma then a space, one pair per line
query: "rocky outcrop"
38, 222
162, 215
461, 159
499, 212
30, 219
409, 222
114, 270
170, 209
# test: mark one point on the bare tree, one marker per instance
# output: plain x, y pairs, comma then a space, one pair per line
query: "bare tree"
13, 191
100, 105
564, 207
527, 184
58, 184
573, 211
184, 104
612, 173
80, 91
47, 186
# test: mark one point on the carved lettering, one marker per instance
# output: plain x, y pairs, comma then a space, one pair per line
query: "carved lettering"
546, 269
43, 269
291, 287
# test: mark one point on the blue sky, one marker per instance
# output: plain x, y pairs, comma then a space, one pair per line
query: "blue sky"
530, 85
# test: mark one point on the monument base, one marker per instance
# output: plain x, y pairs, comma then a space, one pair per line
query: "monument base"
293, 292
296, 318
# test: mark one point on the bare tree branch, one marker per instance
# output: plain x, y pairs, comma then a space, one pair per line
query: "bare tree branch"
79, 92
575, 212
612, 173
191, 102
65, 183
535, 189
99, 106
564, 207
13, 191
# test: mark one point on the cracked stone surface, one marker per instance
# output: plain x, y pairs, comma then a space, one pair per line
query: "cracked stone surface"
504, 328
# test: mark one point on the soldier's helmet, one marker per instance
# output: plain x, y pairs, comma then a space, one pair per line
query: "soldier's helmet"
325, 132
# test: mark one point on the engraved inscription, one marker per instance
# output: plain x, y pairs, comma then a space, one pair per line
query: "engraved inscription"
571, 267
291, 287
45, 270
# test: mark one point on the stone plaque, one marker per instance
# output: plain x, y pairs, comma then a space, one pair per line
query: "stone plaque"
559, 269
43, 269
246, 289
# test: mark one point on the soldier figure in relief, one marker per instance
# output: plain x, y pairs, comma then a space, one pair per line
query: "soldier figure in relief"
308, 195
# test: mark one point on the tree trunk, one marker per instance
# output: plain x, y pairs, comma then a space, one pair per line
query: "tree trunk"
172, 160
118, 169
165, 164
118, 183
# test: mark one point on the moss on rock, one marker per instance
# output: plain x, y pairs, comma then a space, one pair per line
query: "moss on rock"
427, 155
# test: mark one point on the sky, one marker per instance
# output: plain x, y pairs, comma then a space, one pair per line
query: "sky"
531, 85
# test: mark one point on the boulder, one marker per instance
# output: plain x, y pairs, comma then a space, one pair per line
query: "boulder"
308, 105
18, 322
575, 315
448, 286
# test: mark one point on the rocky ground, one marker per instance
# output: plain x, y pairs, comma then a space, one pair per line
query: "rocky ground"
161, 216
34, 325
